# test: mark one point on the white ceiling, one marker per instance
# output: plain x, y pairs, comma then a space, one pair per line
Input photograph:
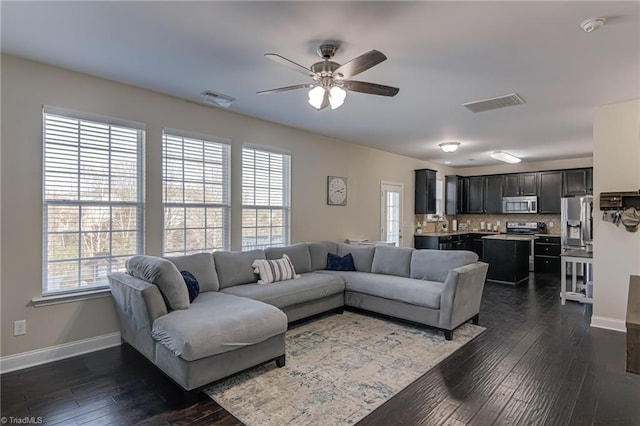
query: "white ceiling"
440, 55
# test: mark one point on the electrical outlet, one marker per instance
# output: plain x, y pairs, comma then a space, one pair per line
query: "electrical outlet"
550, 224
498, 222
19, 327
468, 222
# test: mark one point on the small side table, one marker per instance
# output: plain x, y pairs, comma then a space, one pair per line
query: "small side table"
573, 257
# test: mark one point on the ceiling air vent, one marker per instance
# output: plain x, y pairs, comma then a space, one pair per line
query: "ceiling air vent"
494, 103
217, 99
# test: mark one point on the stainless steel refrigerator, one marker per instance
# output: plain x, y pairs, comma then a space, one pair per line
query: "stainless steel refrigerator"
577, 222
577, 228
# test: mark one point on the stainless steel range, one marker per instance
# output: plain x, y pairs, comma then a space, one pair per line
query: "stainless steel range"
527, 228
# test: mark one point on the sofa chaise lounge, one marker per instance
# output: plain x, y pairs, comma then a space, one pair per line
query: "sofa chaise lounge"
236, 323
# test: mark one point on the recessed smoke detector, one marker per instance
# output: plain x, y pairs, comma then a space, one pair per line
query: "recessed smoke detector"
494, 103
592, 24
218, 99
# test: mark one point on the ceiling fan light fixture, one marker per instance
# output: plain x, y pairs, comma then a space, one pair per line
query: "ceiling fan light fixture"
505, 157
337, 96
316, 95
449, 146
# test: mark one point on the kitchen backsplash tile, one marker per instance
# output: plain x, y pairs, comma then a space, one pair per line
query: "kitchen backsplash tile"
473, 221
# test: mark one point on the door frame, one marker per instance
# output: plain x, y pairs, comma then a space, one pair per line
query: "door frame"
383, 206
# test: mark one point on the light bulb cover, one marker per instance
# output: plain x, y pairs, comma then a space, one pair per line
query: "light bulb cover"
505, 157
316, 95
449, 146
337, 96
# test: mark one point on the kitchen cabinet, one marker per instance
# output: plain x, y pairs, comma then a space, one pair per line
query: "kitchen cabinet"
508, 259
476, 244
549, 191
442, 242
425, 191
577, 182
455, 194
547, 252
492, 196
475, 194
520, 184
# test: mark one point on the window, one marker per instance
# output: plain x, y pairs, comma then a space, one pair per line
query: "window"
195, 193
265, 199
92, 199
439, 202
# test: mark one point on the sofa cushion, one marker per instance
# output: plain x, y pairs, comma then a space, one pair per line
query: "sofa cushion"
193, 287
318, 252
434, 265
162, 273
271, 271
340, 263
201, 266
298, 253
234, 267
362, 255
406, 290
217, 323
310, 286
392, 261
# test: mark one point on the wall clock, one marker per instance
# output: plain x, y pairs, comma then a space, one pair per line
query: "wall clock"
336, 191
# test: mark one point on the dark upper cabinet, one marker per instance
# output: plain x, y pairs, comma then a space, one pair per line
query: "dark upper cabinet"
549, 191
475, 194
425, 191
520, 184
493, 194
577, 182
455, 194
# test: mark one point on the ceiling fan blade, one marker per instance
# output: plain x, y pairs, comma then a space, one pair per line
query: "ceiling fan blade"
370, 88
359, 64
294, 66
284, 89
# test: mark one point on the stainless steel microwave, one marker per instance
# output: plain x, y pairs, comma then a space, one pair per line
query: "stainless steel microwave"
520, 204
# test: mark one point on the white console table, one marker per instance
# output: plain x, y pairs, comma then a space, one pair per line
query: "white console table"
574, 257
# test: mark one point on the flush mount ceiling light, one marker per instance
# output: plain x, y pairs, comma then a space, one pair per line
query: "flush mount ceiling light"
505, 156
449, 146
592, 24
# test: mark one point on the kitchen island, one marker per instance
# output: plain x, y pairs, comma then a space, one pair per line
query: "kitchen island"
508, 257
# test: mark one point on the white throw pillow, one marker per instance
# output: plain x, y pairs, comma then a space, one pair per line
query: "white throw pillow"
274, 270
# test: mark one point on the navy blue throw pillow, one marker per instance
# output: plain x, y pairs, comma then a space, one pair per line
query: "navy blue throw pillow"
340, 263
192, 285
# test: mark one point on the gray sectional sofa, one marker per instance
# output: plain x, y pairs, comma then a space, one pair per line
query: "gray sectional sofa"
236, 323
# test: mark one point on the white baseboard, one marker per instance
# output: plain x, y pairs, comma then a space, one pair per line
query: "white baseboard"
58, 352
609, 323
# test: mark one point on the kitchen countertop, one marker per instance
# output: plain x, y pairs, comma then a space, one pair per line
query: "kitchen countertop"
510, 237
578, 253
450, 233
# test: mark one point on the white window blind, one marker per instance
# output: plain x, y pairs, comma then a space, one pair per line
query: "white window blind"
195, 194
92, 199
265, 198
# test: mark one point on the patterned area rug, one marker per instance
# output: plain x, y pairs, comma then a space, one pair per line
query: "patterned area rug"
339, 369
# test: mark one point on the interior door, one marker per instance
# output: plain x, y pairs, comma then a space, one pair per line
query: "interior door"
391, 198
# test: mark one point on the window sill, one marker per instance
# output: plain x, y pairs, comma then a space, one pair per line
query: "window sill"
57, 299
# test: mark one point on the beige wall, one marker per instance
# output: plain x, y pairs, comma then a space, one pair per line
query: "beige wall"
27, 86
534, 166
616, 252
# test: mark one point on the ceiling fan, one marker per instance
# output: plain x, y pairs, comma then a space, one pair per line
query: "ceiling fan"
331, 80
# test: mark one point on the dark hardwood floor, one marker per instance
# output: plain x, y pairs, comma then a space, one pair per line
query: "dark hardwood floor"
537, 363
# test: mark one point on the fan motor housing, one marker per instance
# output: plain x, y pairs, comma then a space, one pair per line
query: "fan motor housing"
325, 68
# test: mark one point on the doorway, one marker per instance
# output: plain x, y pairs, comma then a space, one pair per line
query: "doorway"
391, 212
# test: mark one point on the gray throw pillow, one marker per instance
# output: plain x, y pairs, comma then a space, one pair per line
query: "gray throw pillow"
165, 275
